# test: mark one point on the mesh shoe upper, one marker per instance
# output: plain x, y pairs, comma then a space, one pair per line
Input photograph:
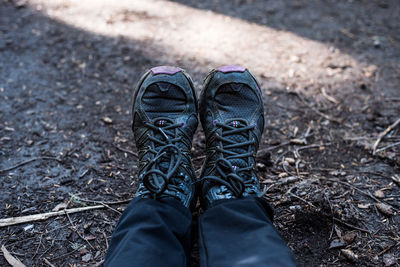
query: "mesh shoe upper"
164, 121
232, 116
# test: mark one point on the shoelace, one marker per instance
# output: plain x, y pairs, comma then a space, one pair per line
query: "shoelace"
158, 172
234, 178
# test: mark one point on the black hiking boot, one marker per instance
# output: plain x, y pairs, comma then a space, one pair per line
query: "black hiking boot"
232, 116
164, 121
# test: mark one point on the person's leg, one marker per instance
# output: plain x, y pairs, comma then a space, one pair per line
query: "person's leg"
155, 228
151, 233
236, 227
239, 232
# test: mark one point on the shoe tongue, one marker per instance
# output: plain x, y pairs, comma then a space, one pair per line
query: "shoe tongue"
238, 138
163, 98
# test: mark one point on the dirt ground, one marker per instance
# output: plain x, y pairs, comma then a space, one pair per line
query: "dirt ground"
330, 72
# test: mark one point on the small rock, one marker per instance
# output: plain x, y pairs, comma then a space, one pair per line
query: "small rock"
349, 254
290, 160
28, 227
260, 166
87, 257
337, 173
384, 209
376, 41
337, 243
379, 194
389, 260
107, 120
29, 142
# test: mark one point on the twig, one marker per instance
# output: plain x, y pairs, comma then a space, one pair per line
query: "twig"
76, 231
127, 151
329, 118
48, 262
382, 134
105, 204
359, 190
386, 147
43, 216
307, 147
386, 250
29, 161
352, 226
330, 98
272, 147
105, 238
302, 199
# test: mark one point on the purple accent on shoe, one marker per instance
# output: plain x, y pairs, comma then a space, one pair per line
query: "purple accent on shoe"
184, 124
235, 124
234, 167
215, 122
170, 70
231, 68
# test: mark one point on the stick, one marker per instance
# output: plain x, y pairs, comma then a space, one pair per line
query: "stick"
76, 231
10, 259
368, 194
386, 147
126, 150
48, 262
28, 161
352, 226
382, 134
43, 216
329, 118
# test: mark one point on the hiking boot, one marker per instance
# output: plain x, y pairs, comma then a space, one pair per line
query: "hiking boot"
232, 116
164, 121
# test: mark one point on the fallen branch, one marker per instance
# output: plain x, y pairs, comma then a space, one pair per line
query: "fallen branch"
29, 161
382, 134
43, 216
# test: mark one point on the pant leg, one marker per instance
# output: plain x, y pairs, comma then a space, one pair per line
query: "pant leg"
151, 233
239, 232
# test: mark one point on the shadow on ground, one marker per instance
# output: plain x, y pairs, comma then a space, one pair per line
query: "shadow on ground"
65, 104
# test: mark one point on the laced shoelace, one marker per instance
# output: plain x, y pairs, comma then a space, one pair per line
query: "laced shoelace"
157, 175
234, 178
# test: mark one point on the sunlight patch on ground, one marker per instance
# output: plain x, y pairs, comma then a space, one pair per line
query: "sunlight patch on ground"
195, 38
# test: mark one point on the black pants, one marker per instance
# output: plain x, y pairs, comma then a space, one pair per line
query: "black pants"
231, 233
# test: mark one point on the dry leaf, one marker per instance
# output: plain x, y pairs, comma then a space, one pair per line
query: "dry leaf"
349, 237
10, 259
384, 209
349, 254
363, 206
60, 206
